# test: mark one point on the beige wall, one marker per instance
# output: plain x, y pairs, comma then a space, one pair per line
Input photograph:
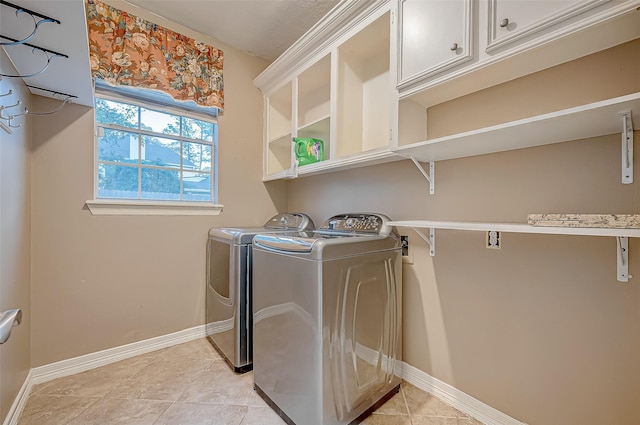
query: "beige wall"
15, 249
540, 329
104, 281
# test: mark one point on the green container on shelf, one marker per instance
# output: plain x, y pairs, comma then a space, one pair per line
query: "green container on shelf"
308, 150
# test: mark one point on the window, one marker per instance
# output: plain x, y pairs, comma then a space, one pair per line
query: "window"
148, 153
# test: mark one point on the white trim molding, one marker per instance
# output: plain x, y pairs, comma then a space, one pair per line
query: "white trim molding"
90, 361
20, 401
133, 207
456, 398
111, 355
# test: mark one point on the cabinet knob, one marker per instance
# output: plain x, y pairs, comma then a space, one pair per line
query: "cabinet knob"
504, 23
454, 47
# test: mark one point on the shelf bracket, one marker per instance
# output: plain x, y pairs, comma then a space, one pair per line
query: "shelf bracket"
627, 147
430, 240
622, 248
429, 176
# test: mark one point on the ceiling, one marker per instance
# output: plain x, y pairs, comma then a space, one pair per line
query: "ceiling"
262, 28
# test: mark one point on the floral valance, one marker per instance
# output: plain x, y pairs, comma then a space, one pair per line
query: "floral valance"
126, 50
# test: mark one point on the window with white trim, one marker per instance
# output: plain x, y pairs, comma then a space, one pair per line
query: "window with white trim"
149, 152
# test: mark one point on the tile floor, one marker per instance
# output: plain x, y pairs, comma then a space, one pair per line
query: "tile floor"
190, 384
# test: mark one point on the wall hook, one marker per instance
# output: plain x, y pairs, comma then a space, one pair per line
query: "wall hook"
11, 125
2, 108
30, 36
34, 15
46, 66
9, 93
50, 54
67, 98
64, 102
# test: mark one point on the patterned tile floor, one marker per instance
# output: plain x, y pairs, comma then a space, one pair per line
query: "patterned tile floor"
190, 384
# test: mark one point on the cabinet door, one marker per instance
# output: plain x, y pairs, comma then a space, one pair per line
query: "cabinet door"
512, 20
434, 36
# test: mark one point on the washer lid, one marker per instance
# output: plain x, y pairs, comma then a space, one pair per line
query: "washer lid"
282, 242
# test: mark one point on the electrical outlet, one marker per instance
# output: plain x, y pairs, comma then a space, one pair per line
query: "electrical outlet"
494, 240
407, 252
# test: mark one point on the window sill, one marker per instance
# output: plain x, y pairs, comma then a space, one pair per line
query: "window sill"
127, 207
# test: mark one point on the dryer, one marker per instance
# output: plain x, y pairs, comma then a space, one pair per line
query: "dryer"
228, 293
327, 319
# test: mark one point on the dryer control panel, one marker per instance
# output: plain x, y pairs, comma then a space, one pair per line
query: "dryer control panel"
355, 223
296, 221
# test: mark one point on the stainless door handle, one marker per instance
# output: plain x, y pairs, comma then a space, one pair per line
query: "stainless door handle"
9, 319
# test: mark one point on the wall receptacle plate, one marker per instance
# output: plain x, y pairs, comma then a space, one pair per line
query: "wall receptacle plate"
494, 239
407, 252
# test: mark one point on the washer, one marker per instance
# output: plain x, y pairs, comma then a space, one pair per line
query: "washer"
327, 319
228, 294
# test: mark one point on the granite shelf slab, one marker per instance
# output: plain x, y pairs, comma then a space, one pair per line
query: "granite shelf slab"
611, 221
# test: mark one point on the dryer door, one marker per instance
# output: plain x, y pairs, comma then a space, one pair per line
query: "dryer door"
218, 267
226, 299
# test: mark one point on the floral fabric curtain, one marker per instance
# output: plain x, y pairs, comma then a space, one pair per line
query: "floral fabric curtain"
126, 50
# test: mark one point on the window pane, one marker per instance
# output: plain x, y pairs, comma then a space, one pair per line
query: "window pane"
159, 122
116, 181
196, 129
196, 156
110, 112
160, 151
118, 146
196, 187
160, 184
175, 163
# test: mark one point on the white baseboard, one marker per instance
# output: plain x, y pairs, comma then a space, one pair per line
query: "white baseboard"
111, 355
447, 393
20, 401
456, 398
79, 364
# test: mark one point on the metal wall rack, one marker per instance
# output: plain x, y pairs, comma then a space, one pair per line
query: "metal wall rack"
7, 111
6, 120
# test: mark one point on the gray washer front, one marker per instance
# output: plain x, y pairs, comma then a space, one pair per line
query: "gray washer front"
327, 319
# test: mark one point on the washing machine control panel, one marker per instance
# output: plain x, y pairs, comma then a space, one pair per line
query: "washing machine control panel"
358, 223
290, 221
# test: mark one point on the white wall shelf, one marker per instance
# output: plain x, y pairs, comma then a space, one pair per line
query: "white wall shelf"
581, 122
378, 156
621, 235
591, 120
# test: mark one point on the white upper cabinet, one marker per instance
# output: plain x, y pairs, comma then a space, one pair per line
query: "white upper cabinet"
511, 20
434, 36
449, 48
